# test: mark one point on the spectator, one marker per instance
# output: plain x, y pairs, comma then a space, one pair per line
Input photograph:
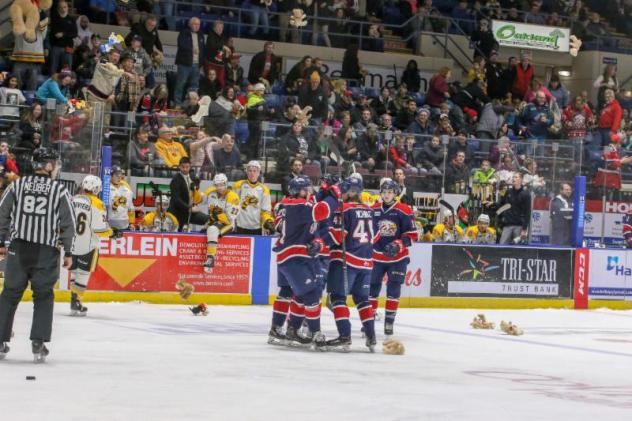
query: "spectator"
294, 145
405, 192
322, 9
314, 96
562, 216
233, 72
257, 111
130, 88
384, 104
484, 41
141, 60
522, 76
361, 104
104, 81
63, 31
169, 151
444, 127
188, 59
216, 50
228, 159
477, 72
371, 152
472, 98
317, 66
607, 80
223, 112
507, 77
296, 169
7, 160
577, 118
402, 154
401, 99
537, 86
463, 17
285, 7
166, 9
531, 179
150, 41
496, 89
516, 218
537, 117
365, 119
265, 67
28, 57
346, 144
344, 106
411, 76
432, 156
386, 123
141, 153
51, 88
609, 119
485, 174
84, 33
438, 88
202, 152
457, 174
191, 106
535, 15
210, 85
295, 76
595, 28
506, 170
460, 144
83, 64
490, 120
11, 98
340, 25
406, 116
102, 10
31, 122
559, 92
351, 69
153, 105
332, 121
513, 15
422, 126
259, 14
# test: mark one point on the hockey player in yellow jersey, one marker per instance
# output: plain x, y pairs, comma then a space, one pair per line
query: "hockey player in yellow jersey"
447, 231
91, 225
255, 210
481, 233
223, 208
160, 220
121, 213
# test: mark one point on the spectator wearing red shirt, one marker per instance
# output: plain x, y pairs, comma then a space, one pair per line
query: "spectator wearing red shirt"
265, 67
402, 154
438, 88
576, 119
609, 119
522, 77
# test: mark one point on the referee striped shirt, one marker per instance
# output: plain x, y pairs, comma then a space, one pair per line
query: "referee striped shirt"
38, 210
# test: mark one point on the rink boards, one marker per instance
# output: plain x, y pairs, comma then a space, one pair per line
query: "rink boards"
146, 267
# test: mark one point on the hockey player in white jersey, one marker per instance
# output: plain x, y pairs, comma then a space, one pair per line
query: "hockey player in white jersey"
223, 208
121, 213
160, 220
91, 224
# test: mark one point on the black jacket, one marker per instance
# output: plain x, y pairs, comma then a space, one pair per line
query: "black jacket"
561, 221
455, 174
431, 157
184, 55
214, 45
257, 65
412, 80
472, 96
179, 204
520, 211
315, 99
406, 195
67, 26
150, 39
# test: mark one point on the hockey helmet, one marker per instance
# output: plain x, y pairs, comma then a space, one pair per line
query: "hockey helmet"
42, 156
220, 179
299, 183
356, 175
91, 184
352, 185
389, 184
484, 218
329, 179
163, 200
254, 163
116, 170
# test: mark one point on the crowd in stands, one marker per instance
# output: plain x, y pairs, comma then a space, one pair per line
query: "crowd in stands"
213, 108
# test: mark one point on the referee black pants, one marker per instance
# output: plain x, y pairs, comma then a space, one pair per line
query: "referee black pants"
36, 263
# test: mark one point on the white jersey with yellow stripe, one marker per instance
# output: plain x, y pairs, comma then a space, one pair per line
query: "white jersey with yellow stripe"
91, 223
255, 204
120, 206
228, 203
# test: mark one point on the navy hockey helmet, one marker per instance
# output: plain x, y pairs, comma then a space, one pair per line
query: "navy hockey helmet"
299, 183
352, 185
389, 184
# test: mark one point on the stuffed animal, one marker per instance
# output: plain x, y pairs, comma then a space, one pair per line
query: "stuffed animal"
298, 19
25, 15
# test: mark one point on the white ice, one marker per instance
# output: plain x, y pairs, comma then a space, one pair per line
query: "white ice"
148, 362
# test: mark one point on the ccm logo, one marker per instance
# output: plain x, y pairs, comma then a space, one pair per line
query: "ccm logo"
581, 273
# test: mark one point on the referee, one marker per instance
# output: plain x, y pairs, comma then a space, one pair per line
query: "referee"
35, 213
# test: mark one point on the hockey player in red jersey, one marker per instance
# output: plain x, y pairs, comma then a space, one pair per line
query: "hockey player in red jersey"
351, 264
296, 249
393, 223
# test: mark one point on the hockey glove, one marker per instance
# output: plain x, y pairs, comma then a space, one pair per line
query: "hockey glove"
268, 226
393, 248
185, 289
315, 247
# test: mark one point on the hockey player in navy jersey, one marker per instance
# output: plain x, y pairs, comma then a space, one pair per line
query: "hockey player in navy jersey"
627, 229
395, 230
297, 249
352, 253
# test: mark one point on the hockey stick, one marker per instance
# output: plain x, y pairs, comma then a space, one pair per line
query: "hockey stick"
339, 160
447, 206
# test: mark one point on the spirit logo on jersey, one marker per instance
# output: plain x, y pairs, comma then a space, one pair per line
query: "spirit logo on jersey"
249, 201
387, 228
119, 201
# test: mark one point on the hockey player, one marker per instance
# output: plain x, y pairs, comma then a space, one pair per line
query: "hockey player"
393, 223
481, 233
121, 215
296, 249
446, 231
255, 215
160, 220
351, 264
91, 224
627, 229
366, 197
223, 208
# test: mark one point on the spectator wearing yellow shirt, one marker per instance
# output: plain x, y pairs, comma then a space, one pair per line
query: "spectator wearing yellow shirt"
170, 151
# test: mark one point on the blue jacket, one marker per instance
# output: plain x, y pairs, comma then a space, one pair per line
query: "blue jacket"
184, 55
50, 89
530, 118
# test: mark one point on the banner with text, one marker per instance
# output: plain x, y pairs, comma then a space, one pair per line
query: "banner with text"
155, 262
535, 37
610, 274
462, 271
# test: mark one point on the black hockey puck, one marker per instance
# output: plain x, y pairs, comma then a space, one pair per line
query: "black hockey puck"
30, 377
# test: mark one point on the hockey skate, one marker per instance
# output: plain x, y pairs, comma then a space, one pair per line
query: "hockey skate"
4, 350
276, 336
371, 343
339, 344
209, 263
76, 308
388, 329
40, 352
293, 338
319, 342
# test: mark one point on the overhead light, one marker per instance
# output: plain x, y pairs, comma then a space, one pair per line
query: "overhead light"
564, 73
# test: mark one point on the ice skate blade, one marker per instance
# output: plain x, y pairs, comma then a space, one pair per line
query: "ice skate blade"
77, 313
277, 342
371, 348
344, 349
39, 358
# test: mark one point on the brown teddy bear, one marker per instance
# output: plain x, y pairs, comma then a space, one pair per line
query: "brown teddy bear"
25, 15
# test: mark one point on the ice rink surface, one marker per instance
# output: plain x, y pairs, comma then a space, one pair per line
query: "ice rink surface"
148, 362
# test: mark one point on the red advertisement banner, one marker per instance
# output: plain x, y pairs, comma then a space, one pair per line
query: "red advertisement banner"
143, 262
